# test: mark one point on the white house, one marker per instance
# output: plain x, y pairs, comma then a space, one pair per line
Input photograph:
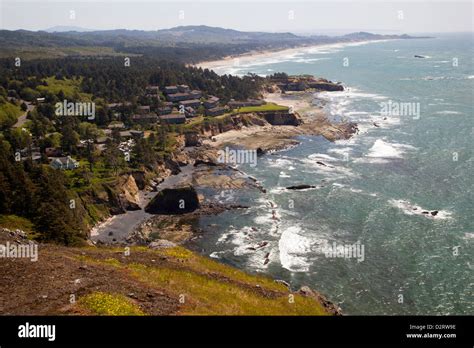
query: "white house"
64, 163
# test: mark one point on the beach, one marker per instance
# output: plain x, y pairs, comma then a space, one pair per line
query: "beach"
245, 59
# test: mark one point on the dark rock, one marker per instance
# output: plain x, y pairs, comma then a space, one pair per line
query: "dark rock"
177, 200
300, 187
279, 281
328, 305
434, 212
282, 119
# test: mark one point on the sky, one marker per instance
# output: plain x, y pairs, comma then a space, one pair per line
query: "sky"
301, 17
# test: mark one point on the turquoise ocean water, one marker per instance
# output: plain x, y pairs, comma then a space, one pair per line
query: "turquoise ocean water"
375, 186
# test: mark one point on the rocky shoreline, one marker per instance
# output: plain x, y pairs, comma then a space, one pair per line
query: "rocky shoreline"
198, 167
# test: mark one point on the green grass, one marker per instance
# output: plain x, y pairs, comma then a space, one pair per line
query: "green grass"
262, 108
209, 287
13, 222
101, 303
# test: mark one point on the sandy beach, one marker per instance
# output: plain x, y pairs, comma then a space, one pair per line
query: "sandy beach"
249, 57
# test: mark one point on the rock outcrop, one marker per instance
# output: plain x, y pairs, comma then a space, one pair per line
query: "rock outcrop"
300, 187
282, 118
177, 200
328, 305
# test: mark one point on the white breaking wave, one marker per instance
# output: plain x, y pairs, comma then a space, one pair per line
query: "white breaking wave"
413, 209
382, 149
293, 249
448, 112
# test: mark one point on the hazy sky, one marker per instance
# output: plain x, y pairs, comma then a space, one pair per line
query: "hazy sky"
327, 17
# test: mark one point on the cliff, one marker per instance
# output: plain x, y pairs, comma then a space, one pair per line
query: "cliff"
163, 280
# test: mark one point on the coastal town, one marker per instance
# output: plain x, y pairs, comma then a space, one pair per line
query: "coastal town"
175, 105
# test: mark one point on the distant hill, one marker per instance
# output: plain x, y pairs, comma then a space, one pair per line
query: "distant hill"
63, 28
209, 41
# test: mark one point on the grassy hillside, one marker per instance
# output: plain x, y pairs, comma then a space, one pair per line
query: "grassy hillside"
173, 281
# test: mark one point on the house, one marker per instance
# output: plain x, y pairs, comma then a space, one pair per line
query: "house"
115, 106
137, 134
189, 111
173, 118
243, 103
152, 90
219, 110
171, 89
183, 88
126, 134
116, 125
64, 163
177, 97
143, 109
195, 94
40, 100
163, 110
102, 140
194, 103
211, 102
145, 118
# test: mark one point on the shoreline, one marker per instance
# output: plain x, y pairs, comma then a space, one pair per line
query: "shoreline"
265, 139
260, 54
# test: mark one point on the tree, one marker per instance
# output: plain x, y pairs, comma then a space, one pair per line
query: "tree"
69, 139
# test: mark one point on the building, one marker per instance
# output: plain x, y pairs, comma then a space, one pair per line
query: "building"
152, 90
171, 89
196, 94
137, 134
145, 118
143, 109
189, 112
194, 103
183, 88
101, 140
116, 106
173, 119
64, 163
116, 125
211, 102
164, 110
243, 103
177, 97
219, 110
126, 134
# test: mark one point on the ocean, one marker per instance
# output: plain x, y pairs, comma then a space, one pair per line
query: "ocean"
400, 192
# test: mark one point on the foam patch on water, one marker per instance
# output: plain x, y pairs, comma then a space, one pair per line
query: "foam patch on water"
322, 157
413, 209
448, 112
279, 163
293, 249
468, 236
382, 151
